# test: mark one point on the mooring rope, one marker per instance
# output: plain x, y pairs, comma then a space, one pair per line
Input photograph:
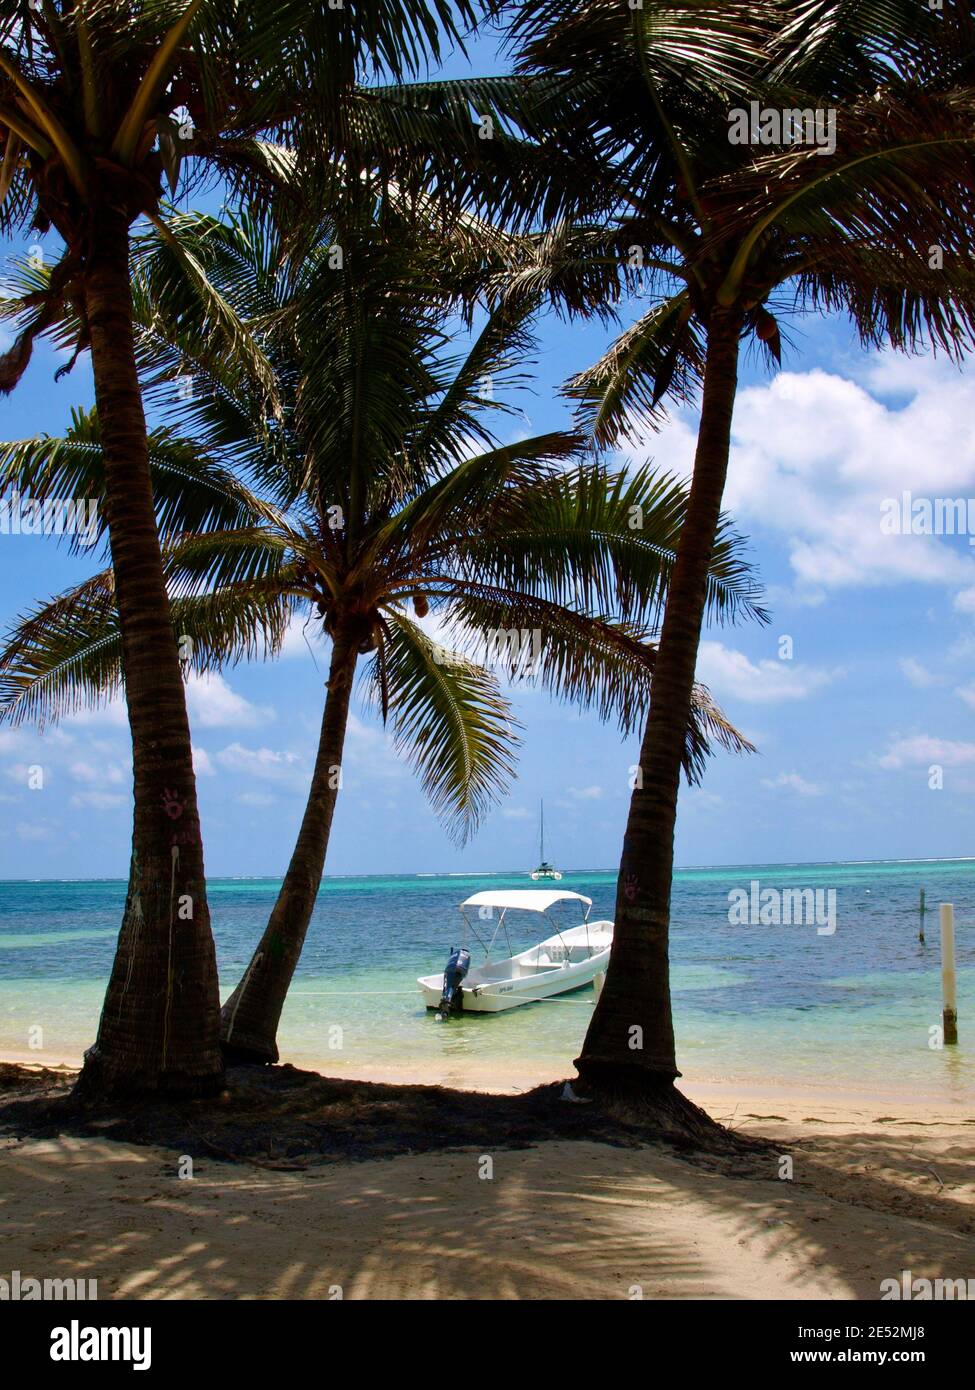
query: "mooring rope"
358, 993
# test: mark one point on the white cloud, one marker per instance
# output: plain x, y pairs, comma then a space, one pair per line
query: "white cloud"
213, 705
814, 455
923, 750
266, 763
300, 635
919, 675
211, 702
593, 793
727, 672
700, 798
259, 799
793, 782
110, 712
370, 752
113, 774
97, 800
202, 765
454, 635
32, 832
516, 813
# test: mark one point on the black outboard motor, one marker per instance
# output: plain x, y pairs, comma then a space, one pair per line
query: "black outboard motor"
452, 999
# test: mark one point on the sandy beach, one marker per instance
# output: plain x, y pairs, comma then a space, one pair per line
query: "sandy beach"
877, 1187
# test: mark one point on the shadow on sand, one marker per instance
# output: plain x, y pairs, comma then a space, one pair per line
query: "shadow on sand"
573, 1203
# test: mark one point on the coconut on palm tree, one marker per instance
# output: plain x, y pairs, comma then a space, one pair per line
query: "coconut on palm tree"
378, 495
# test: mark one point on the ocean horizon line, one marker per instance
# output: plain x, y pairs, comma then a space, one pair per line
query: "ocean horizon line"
522, 872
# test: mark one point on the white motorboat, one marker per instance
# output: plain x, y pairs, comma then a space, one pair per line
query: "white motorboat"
568, 959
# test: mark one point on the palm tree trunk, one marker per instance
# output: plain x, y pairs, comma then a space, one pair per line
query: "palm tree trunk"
159, 1028
250, 1017
630, 1043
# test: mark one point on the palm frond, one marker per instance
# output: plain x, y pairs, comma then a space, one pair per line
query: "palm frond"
661, 354
63, 655
451, 721
606, 542
582, 659
465, 498
66, 654
192, 492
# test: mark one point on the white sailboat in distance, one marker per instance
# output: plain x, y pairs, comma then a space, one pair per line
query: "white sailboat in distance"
545, 869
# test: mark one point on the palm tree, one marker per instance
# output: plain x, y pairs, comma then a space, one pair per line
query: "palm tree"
97, 101
389, 494
635, 107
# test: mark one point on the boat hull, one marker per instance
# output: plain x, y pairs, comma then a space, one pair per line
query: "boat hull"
563, 963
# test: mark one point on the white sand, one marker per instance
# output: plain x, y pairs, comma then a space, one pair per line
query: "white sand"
875, 1190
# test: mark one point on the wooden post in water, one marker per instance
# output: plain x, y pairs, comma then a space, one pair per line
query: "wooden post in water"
920, 935
949, 1015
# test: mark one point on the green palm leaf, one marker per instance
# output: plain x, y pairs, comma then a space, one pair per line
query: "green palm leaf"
452, 722
192, 492
66, 654
591, 661
605, 541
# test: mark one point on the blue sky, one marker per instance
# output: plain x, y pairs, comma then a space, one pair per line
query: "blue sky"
879, 690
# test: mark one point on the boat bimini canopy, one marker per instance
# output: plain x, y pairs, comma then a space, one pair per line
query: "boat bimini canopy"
523, 899
528, 899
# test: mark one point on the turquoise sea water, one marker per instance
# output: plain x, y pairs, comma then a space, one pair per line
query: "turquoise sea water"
773, 1004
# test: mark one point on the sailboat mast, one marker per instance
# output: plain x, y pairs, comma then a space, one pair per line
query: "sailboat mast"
541, 833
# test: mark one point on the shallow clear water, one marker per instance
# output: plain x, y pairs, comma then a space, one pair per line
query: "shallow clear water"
776, 1004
